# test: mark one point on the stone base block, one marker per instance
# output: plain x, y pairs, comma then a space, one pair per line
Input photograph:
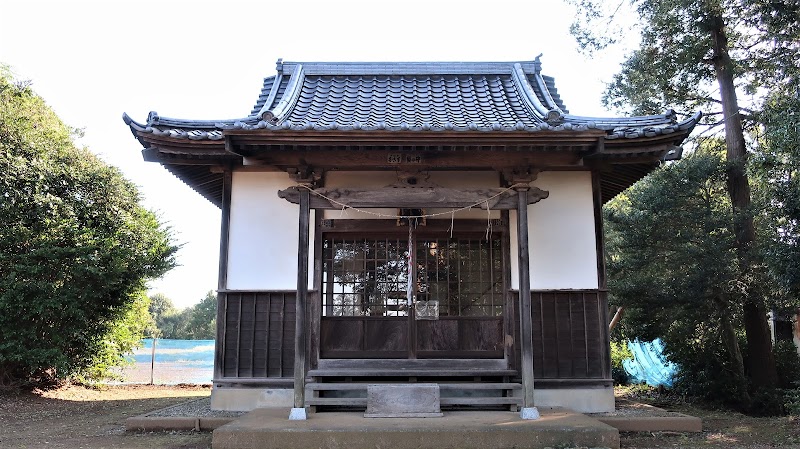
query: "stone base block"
403, 401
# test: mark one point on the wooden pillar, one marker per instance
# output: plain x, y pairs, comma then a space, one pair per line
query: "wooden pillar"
525, 318
601, 270
222, 280
597, 198
299, 411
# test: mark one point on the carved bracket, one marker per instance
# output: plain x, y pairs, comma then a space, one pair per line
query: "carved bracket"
413, 178
304, 175
520, 175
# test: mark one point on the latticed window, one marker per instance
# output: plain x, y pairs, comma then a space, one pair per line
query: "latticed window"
365, 277
369, 276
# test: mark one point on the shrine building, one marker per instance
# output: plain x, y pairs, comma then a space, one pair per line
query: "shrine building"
432, 223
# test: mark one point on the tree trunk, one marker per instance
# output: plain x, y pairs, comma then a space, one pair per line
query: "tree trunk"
731, 342
761, 363
617, 317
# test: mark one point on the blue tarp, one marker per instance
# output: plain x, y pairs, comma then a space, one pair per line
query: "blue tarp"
197, 353
648, 364
176, 361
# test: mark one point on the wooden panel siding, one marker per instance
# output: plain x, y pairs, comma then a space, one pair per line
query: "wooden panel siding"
387, 337
363, 337
258, 334
569, 335
460, 337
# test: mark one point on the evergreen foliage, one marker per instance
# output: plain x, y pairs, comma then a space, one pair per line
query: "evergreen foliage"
198, 322
672, 262
619, 353
164, 315
76, 249
776, 169
707, 55
202, 322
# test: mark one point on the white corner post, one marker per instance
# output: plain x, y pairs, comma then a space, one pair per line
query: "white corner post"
299, 412
528, 411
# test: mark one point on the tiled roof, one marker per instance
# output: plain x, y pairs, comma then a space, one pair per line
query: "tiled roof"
436, 96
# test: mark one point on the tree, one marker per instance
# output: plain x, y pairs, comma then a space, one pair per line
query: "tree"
777, 169
697, 54
76, 248
672, 262
198, 322
124, 335
202, 320
162, 312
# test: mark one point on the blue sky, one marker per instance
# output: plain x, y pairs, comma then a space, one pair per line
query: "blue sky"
94, 60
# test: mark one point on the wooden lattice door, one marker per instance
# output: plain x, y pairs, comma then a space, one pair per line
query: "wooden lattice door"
366, 312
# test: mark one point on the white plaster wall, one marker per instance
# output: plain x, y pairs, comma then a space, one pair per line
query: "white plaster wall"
262, 245
561, 234
377, 179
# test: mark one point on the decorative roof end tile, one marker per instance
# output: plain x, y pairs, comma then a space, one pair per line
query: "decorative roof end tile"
554, 117
268, 116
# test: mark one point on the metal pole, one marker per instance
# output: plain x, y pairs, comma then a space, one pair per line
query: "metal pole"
152, 360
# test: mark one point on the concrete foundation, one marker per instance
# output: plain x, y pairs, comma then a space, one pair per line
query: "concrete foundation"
270, 428
584, 400
246, 399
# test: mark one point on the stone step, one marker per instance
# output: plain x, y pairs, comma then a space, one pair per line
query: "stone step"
352, 402
332, 386
362, 402
480, 401
449, 393
409, 372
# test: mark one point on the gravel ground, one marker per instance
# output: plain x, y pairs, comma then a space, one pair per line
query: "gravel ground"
198, 407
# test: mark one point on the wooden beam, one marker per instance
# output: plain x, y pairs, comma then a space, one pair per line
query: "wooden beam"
413, 198
474, 227
405, 159
154, 155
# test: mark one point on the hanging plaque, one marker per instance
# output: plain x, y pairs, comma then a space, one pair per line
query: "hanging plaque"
426, 310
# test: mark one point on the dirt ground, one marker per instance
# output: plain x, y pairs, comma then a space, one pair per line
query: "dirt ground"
721, 429
77, 417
